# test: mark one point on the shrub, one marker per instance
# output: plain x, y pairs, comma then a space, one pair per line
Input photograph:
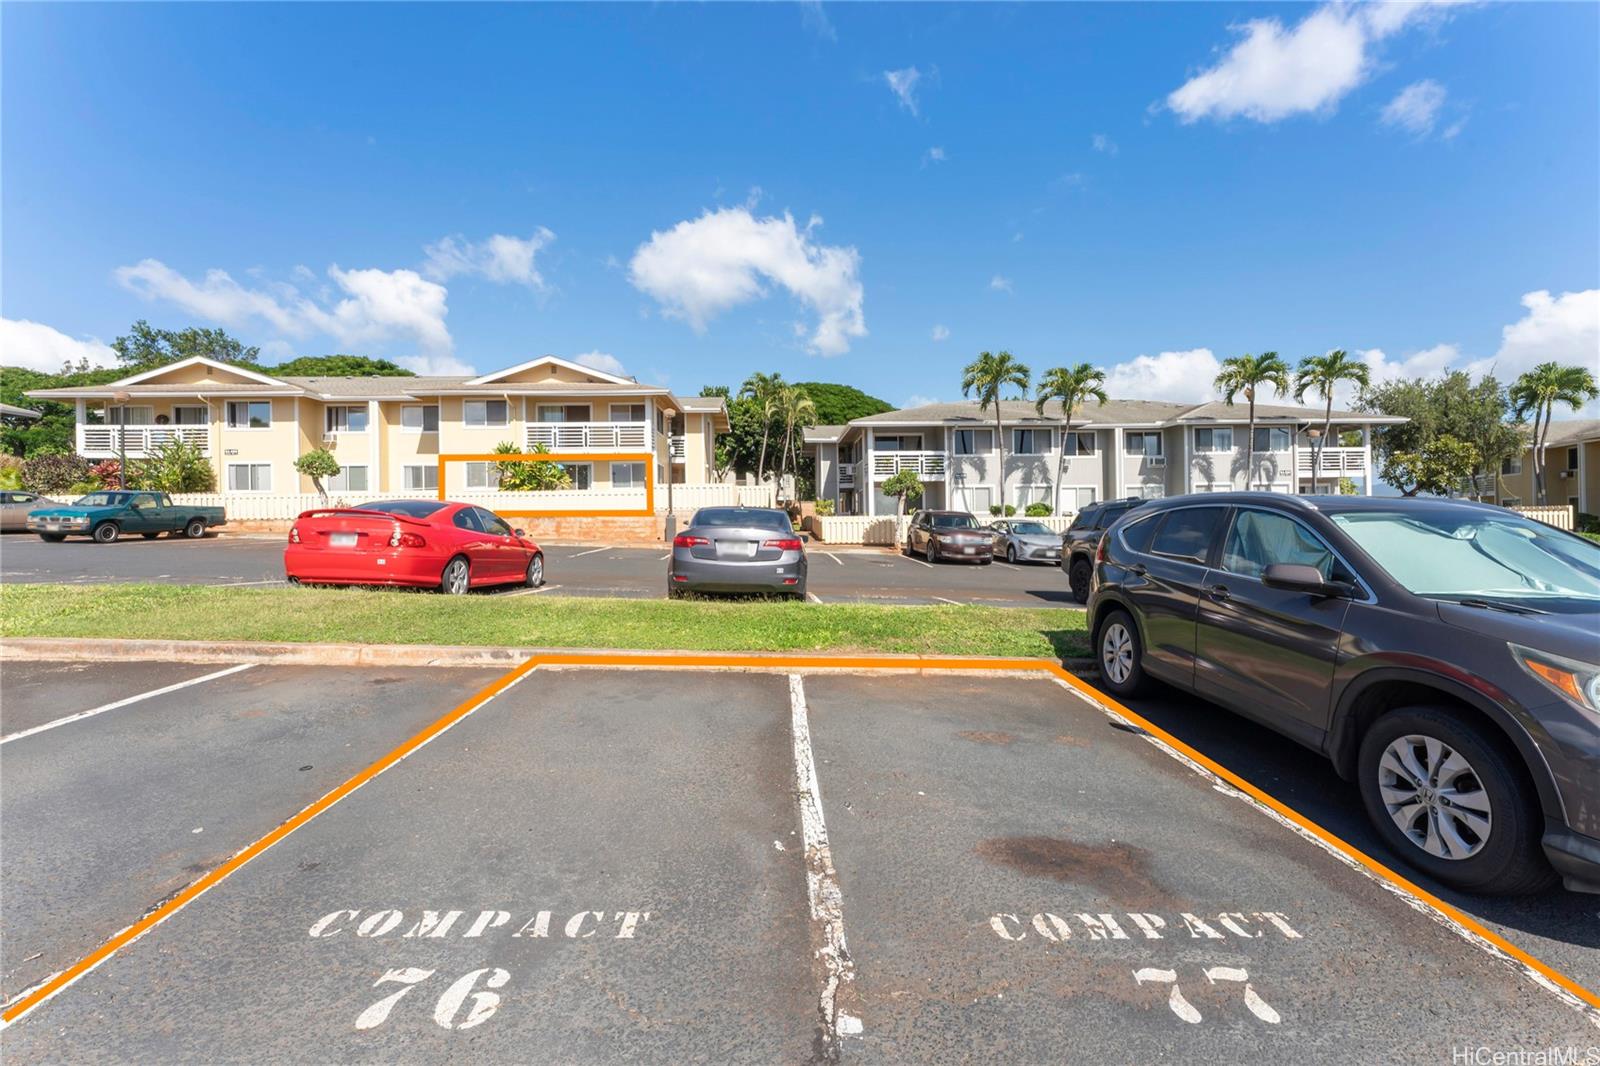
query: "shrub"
905, 486
530, 476
1008, 510
53, 472
317, 464
1037, 510
1588, 523
83, 488
177, 466
10, 472
824, 508
108, 474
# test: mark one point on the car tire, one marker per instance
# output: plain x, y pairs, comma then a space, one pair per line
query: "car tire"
1011, 554
1507, 860
534, 577
1078, 578
106, 533
456, 577
1119, 653
195, 529
52, 538
930, 553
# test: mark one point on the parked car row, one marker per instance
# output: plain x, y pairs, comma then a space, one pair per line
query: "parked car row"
105, 516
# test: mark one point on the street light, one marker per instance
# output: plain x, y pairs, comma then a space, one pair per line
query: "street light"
1316, 456
121, 397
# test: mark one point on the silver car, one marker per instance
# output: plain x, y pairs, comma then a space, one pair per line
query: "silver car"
15, 507
1023, 540
738, 549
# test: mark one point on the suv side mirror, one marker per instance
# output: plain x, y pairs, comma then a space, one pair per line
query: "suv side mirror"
1297, 577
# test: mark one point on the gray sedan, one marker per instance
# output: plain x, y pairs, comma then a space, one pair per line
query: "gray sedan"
15, 507
738, 549
1019, 540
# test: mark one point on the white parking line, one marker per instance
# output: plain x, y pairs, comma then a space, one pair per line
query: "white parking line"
591, 551
822, 881
528, 592
664, 558
832, 556
919, 562
123, 703
813, 597
239, 584
943, 599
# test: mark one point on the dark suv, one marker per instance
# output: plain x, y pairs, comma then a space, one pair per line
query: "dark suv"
1443, 654
949, 535
1081, 538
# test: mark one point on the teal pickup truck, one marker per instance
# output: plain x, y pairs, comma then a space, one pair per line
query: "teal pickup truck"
105, 516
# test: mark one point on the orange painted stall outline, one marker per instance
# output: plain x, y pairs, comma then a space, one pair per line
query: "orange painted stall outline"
668, 660
647, 458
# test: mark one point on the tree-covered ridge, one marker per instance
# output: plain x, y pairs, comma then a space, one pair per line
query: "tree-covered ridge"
338, 366
840, 404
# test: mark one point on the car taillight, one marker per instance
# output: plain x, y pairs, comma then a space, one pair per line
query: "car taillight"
1100, 550
783, 544
409, 540
294, 534
685, 540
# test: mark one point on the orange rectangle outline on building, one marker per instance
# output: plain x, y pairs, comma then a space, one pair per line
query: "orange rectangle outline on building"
648, 458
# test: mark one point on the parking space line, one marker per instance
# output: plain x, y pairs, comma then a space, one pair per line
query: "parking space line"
944, 599
822, 882
832, 556
919, 562
813, 597
81, 715
72, 974
237, 584
528, 592
591, 551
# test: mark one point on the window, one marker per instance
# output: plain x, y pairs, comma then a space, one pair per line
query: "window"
1146, 444
130, 416
467, 518
484, 413
973, 441
563, 412
978, 499
249, 414
420, 477
582, 474
1187, 532
628, 412
1027, 494
249, 477
1259, 539
627, 475
419, 418
1030, 441
1511, 501
758, 517
1107, 516
1572, 458
1217, 439
1077, 497
483, 475
190, 415
1150, 492
1078, 443
492, 523
346, 420
1272, 439
1138, 535
1511, 467
661, 421
349, 479
907, 442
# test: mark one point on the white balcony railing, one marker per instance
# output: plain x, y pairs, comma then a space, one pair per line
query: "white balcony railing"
590, 436
1332, 461
101, 442
927, 465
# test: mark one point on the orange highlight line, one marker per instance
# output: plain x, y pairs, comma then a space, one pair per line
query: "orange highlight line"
692, 661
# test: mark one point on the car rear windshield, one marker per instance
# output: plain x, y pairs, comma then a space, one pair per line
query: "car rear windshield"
1476, 555
760, 517
408, 508
953, 521
101, 499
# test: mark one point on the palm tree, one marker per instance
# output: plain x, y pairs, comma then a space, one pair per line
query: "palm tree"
985, 377
795, 410
1071, 388
1247, 373
1323, 373
1538, 391
763, 389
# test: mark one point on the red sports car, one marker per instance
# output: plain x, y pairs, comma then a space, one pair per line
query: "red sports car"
425, 543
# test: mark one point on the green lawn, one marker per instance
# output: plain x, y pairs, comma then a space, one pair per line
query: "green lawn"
175, 612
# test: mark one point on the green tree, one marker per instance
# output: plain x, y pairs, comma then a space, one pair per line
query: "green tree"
1437, 468
839, 405
903, 486
795, 412
716, 390
317, 464
1537, 392
179, 466
338, 366
1247, 374
53, 430
144, 346
1071, 388
762, 390
1322, 374
987, 377
538, 476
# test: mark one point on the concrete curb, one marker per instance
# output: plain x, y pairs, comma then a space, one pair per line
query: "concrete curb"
90, 649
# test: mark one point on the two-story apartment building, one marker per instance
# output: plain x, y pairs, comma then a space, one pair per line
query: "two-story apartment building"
1571, 475
389, 432
1143, 448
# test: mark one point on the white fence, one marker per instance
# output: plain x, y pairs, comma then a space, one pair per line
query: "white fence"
1553, 515
1332, 461
924, 464
880, 529
279, 507
590, 436
100, 442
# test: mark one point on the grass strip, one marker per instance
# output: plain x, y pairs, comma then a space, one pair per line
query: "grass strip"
365, 616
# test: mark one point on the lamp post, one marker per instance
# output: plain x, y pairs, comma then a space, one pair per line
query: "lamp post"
121, 397
1316, 456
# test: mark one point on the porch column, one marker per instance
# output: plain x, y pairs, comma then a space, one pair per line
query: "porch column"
374, 439
77, 429
1366, 459
870, 488
1116, 464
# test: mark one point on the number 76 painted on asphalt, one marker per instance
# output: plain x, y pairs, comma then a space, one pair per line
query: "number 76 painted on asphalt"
484, 1004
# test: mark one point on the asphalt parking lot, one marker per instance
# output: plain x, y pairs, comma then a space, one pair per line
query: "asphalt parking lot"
680, 865
837, 575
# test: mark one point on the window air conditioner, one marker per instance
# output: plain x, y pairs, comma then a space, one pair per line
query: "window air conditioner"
1155, 460
329, 437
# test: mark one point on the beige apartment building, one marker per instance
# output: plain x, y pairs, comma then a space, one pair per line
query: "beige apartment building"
388, 432
1145, 448
1572, 470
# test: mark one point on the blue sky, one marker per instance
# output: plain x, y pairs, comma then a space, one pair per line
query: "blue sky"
862, 193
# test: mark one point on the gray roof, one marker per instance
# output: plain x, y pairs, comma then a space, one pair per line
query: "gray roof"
1571, 431
361, 388
17, 412
1217, 411
823, 434
699, 404
1111, 413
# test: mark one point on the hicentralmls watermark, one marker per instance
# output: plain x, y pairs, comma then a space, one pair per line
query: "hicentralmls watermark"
1570, 1055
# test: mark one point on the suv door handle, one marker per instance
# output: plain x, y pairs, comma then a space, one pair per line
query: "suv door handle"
1219, 593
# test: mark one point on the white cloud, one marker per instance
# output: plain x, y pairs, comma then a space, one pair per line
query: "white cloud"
376, 306
933, 155
1416, 108
500, 258
903, 83
1274, 72
940, 333
604, 362
816, 20
1561, 329
1000, 283
1176, 376
705, 266
1105, 144
39, 347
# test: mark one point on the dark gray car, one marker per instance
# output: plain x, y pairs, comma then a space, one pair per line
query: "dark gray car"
1445, 655
738, 549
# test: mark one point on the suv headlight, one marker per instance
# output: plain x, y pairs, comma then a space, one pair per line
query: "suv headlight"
1576, 682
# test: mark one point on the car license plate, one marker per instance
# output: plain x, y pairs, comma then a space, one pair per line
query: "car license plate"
968, 551
342, 540
52, 526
